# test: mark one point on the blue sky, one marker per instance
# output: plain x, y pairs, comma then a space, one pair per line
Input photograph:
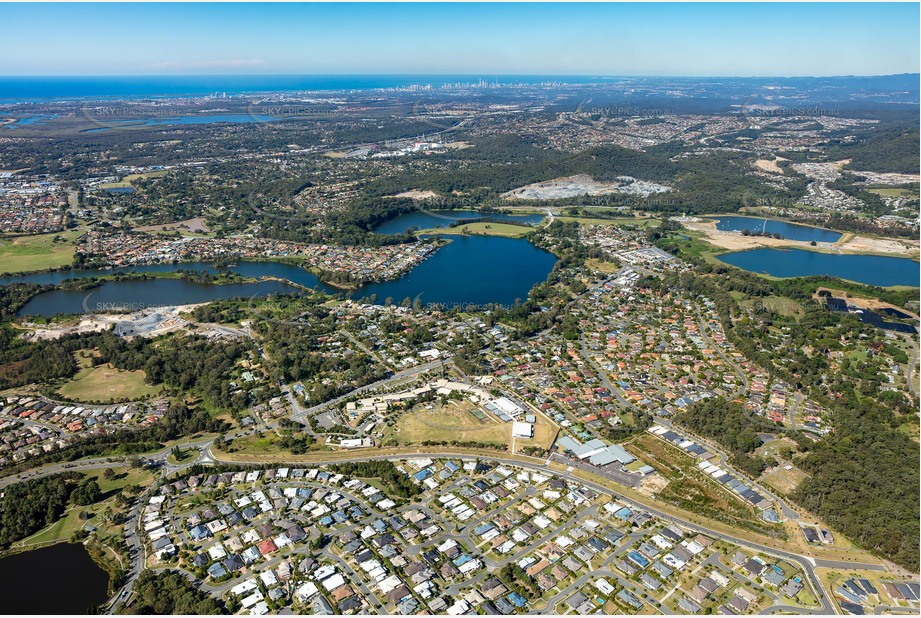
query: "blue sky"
564, 39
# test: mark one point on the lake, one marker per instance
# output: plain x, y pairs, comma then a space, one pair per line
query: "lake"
31, 120
790, 231
470, 270
878, 270
58, 579
423, 220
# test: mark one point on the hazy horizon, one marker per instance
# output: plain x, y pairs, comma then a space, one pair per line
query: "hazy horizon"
619, 39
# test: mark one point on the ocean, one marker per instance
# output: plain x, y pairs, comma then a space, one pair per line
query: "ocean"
48, 88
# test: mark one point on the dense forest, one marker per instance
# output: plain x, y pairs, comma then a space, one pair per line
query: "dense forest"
864, 481
167, 592
296, 354
396, 484
892, 146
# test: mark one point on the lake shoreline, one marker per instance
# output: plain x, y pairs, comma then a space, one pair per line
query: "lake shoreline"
848, 243
779, 262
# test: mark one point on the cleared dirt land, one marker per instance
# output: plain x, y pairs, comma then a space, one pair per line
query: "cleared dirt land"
582, 184
196, 225
849, 243
417, 194
769, 166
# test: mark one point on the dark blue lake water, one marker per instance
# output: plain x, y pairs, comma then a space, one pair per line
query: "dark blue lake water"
79, 583
471, 270
475, 270
790, 231
422, 220
870, 269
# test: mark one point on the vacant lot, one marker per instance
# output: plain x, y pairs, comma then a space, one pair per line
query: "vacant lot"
601, 265
39, 252
190, 226
453, 421
128, 180
545, 432
784, 481
106, 383
688, 488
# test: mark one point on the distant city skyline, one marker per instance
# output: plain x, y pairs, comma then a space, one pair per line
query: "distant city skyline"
679, 40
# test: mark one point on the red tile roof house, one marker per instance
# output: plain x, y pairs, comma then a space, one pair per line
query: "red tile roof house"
267, 547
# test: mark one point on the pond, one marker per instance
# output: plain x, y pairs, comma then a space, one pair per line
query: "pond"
878, 270
58, 579
790, 231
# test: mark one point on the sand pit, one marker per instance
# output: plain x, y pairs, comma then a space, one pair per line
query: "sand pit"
583, 184
848, 243
417, 194
865, 244
769, 166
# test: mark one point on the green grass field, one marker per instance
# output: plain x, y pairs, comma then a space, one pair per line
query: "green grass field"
27, 253
694, 244
894, 192
483, 228
105, 383
460, 421
127, 180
